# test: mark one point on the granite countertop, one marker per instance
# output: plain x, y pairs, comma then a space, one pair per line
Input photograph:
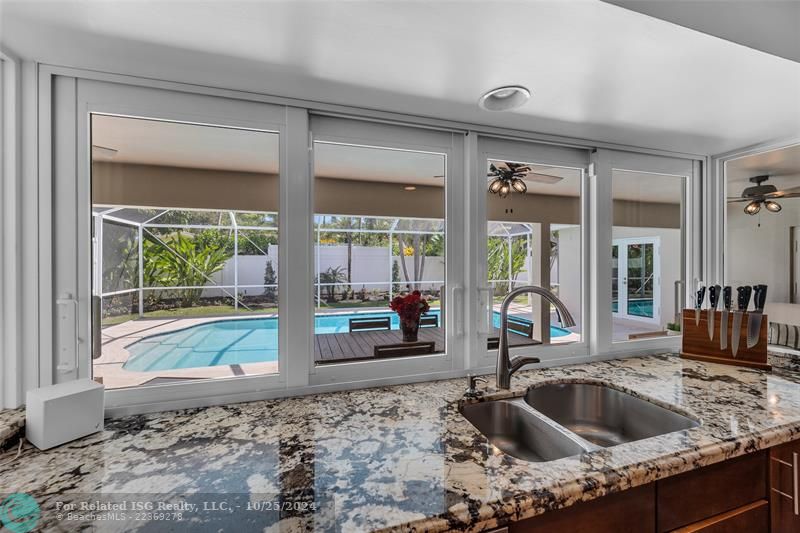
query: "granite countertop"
12, 422
402, 458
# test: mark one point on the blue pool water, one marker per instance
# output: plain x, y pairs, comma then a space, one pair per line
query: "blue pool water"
641, 307
237, 341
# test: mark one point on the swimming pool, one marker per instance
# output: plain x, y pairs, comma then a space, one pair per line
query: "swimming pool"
238, 341
640, 307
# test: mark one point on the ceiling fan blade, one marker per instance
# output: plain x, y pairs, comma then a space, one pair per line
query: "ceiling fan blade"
542, 178
736, 199
502, 166
792, 195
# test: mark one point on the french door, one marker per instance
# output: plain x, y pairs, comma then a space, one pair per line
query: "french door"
636, 279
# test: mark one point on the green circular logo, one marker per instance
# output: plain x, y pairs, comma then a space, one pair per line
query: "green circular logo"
20, 513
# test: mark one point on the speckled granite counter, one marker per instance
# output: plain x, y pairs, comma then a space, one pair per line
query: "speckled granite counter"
12, 422
403, 458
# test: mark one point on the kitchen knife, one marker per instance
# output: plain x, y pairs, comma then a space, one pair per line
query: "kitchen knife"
723, 317
754, 320
742, 302
698, 304
713, 299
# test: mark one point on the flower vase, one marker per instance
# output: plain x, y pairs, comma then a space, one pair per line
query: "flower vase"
410, 331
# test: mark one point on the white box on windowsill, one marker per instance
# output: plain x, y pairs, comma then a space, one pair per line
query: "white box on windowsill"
61, 413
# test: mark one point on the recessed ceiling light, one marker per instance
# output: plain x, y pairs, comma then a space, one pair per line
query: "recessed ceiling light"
504, 98
410, 188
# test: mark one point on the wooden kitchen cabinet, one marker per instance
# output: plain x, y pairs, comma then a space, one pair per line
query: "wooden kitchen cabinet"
728, 497
784, 480
755, 493
629, 511
695, 496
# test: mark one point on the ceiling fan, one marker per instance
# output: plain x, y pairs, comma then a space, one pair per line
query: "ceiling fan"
507, 177
763, 194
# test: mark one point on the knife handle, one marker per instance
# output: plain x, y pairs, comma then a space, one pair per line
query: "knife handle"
713, 295
701, 294
726, 297
743, 297
759, 296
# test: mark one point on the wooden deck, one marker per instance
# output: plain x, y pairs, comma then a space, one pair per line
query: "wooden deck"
337, 347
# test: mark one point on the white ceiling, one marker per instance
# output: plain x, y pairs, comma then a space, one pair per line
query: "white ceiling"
782, 166
597, 71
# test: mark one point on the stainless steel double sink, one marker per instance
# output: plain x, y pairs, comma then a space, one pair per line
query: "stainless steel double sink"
583, 417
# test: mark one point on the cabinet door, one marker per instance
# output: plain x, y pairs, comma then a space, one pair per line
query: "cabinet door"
784, 474
629, 511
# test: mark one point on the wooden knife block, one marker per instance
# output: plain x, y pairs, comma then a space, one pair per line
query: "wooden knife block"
696, 344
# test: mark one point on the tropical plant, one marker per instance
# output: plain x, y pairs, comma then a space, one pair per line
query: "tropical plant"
498, 263
180, 260
330, 279
418, 247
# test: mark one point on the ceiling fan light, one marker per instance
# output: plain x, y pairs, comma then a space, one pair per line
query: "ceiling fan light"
495, 185
752, 208
504, 190
519, 185
774, 207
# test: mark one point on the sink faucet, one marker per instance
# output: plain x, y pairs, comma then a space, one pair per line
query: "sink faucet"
506, 366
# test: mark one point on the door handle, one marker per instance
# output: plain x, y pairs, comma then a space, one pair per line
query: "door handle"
457, 308
795, 485
67, 319
484, 324
97, 337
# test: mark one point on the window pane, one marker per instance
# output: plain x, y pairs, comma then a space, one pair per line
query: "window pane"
534, 238
763, 229
646, 253
186, 241
379, 227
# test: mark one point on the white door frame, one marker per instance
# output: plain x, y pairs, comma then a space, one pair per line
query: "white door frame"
605, 163
622, 266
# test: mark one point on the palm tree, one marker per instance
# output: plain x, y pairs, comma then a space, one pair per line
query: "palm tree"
332, 277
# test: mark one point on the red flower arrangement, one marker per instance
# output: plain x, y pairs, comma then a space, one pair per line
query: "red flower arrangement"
409, 308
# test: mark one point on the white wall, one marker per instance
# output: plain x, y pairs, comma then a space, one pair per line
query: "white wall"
370, 266
569, 273
761, 254
569, 265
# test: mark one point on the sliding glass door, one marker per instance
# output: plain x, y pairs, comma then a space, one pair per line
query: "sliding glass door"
534, 235
171, 284
646, 213
208, 247
382, 232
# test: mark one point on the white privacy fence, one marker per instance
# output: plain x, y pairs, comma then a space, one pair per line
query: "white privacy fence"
144, 258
